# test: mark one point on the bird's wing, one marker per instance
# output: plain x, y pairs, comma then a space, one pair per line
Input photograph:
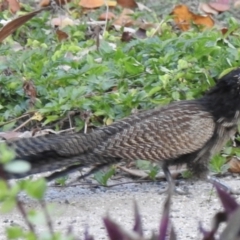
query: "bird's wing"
163, 134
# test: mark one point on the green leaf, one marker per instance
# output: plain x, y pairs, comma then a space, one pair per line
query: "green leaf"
176, 95
15, 232
102, 177
8, 126
61, 181
217, 164
8, 205
36, 189
154, 90
4, 189
7, 154
153, 173
36, 217
182, 64
17, 166
187, 174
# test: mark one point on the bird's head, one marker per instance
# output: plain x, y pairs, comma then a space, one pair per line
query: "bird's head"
223, 99
229, 85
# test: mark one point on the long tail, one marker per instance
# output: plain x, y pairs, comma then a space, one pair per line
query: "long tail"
61, 153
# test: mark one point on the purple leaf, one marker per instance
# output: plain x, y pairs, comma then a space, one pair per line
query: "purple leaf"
138, 223
228, 202
114, 231
165, 221
207, 235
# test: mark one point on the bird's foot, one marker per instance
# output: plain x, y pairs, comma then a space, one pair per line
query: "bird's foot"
175, 190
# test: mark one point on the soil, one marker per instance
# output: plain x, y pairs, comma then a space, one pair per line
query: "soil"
80, 206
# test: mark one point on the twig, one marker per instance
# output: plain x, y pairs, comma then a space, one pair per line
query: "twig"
108, 186
22, 125
106, 17
143, 174
70, 121
20, 207
47, 216
12, 120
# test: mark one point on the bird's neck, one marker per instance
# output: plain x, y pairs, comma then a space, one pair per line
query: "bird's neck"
222, 106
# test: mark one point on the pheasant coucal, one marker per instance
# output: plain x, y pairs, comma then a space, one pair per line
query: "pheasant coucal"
188, 132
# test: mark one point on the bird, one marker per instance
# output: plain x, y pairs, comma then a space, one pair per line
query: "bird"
187, 132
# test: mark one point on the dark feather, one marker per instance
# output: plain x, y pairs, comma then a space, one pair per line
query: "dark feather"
183, 132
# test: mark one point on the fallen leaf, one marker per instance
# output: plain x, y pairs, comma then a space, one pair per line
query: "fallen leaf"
147, 26
224, 30
142, 7
141, 33
106, 16
37, 116
61, 35
183, 18
207, 9
96, 3
234, 165
62, 22
30, 91
127, 3
10, 27
14, 5
202, 20
220, 7
236, 3
125, 19
108, 121
126, 37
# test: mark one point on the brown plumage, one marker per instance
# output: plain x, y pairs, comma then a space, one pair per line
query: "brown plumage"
188, 132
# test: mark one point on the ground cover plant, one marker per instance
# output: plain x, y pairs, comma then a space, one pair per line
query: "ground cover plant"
84, 75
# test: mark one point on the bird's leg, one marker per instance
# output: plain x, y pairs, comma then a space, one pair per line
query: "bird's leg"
171, 183
223, 185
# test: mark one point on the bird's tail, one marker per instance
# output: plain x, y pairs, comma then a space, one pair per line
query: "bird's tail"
54, 152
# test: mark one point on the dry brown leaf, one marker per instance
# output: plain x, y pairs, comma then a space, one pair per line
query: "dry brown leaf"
96, 3
62, 22
30, 91
234, 165
125, 19
224, 30
206, 21
14, 5
183, 18
106, 16
127, 3
207, 9
61, 35
148, 25
126, 37
16, 23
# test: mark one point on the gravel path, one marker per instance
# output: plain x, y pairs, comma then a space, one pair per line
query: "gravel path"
80, 206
